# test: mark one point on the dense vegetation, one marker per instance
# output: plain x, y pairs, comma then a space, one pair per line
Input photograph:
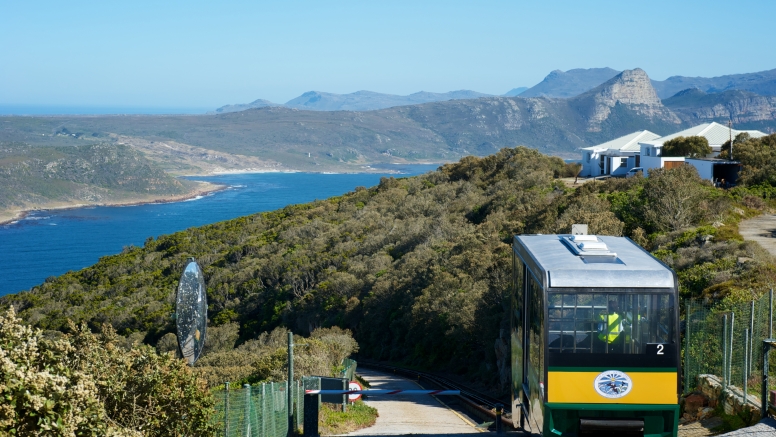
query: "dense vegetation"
417, 268
84, 173
90, 385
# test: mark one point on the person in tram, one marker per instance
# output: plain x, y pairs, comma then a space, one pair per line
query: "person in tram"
610, 328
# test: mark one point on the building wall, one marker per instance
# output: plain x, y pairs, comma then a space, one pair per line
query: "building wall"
705, 168
589, 165
619, 165
649, 162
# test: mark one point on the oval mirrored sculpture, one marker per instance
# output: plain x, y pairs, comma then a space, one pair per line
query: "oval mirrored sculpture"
191, 312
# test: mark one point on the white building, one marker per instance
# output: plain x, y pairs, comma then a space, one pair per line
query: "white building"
614, 157
715, 133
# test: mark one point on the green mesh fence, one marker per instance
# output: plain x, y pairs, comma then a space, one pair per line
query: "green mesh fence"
262, 410
726, 341
349, 370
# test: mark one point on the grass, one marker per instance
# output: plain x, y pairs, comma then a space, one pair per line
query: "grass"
358, 416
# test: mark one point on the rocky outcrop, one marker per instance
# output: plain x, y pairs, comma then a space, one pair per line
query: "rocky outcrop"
632, 89
696, 106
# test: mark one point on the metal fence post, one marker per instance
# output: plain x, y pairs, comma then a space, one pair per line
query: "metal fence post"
311, 415
247, 418
264, 410
770, 315
730, 358
746, 367
764, 384
751, 337
226, 410
290, 381
687, 346
724, 352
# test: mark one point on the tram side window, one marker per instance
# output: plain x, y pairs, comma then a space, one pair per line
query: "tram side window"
536, 337
518, 274
622, 323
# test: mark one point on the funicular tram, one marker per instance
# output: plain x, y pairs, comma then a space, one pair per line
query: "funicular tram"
595, 347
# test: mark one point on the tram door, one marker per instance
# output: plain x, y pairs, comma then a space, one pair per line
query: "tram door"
517, 322
528, 388
533, 361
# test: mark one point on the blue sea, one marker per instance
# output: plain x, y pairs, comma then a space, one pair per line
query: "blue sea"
50, 243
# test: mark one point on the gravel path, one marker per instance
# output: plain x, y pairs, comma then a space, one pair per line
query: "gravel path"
761, 229
401, 415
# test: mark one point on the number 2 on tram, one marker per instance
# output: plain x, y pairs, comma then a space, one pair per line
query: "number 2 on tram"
595, 347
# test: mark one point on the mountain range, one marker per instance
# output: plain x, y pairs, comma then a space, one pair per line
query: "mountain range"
557, 84
357, 101
290, 138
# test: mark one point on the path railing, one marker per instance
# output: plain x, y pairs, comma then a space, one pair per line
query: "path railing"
726, 341
262, 410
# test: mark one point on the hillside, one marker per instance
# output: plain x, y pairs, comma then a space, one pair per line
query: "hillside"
762, 83
418, 268
35, 177
744, 108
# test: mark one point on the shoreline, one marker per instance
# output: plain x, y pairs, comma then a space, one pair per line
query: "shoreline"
204, 189
366, 168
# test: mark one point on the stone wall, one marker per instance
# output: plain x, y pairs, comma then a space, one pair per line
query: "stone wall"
731, 397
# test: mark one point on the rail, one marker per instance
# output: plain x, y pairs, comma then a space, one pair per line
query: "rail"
480, 404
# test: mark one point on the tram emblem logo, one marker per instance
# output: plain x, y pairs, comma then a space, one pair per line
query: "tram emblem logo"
613, 384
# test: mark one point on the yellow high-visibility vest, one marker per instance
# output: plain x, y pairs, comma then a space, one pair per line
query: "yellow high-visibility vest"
614, 325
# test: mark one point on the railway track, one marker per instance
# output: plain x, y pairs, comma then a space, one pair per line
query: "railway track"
476, 402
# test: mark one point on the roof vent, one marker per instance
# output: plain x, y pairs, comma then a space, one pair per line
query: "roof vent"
587, 245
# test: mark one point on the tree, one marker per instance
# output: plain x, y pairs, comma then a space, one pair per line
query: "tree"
757, 156
674, 198
691, 147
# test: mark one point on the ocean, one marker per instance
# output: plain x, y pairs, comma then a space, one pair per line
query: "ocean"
51, 243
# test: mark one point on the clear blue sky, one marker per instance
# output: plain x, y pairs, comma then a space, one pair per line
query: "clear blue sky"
191, 54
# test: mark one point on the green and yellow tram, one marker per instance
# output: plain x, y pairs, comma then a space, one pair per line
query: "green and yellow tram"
595, 347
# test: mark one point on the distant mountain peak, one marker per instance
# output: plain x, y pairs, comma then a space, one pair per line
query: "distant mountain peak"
631, 88
258, 103
565, 84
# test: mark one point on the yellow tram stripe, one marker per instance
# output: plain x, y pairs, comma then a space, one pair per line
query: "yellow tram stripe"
578, 387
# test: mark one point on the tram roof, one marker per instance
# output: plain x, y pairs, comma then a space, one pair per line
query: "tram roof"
632, 267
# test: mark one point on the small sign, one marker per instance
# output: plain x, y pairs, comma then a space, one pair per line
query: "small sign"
353, 385
578, 229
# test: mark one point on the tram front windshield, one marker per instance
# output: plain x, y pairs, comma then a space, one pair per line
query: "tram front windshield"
614, 323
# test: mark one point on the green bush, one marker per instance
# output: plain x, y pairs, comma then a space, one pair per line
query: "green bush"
86, 384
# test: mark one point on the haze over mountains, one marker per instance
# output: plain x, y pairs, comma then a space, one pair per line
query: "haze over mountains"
357, 101
557, 84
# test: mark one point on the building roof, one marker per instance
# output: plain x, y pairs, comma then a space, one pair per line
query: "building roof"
631, 267
717, 134
626, 143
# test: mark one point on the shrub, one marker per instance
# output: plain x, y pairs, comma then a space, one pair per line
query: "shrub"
87, 384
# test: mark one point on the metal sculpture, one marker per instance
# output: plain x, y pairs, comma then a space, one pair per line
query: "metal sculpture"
191, 312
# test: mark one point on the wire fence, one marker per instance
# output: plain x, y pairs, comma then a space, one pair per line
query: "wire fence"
726, 341
262, 410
